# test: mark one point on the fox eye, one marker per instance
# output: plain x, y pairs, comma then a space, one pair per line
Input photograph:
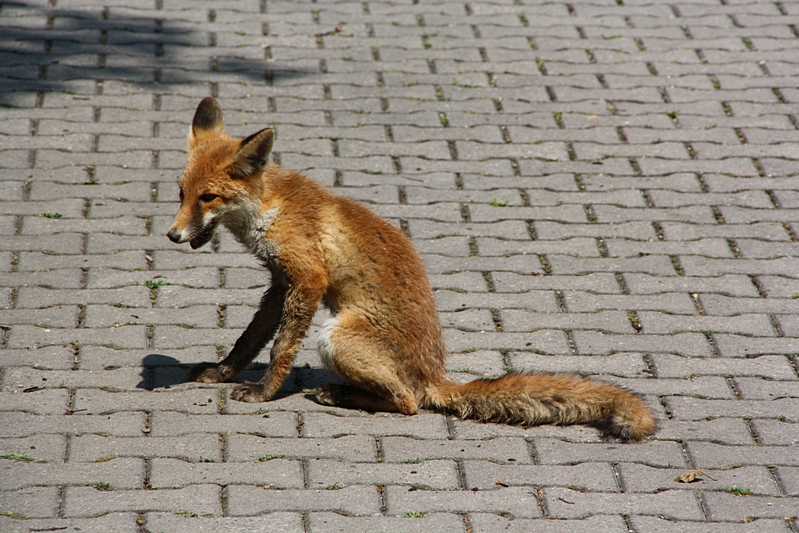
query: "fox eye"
208, 198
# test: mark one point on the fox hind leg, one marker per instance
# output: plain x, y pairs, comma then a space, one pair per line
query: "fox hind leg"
349, 348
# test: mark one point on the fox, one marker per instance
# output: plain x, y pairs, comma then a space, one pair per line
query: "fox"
383, 337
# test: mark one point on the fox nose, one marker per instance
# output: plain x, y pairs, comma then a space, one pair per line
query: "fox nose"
174, 236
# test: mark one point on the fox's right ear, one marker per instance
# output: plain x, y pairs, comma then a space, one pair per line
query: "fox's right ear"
207, 119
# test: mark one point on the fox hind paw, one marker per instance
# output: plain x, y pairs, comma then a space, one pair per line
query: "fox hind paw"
251, 393
326, 394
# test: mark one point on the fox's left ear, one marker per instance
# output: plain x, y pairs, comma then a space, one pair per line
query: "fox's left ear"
207, 119
253, 155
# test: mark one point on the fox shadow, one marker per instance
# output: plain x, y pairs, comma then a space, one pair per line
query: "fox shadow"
164, 372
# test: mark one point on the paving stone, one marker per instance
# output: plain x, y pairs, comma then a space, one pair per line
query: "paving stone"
40, 447
170, 423
197, 447
326, 522
30, 502
658, 453
350, 448
620, 364
125, 424
518, 501
695, 408
776, 432
651, 524
641, 478
485, 523
689, 344
425, 474
722, 506
245, 500
760, 389
195, 401
88, 501
789, 477
174, 473
422, 425
486, 475
568, 503
710, 455
117, 473
766, 366
37, 402
174, 522
720, 430
118, 522
502, 450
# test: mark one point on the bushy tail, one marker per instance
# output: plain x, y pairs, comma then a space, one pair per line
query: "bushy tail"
532, 399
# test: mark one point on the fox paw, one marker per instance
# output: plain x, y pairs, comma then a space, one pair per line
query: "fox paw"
251, 393
326, 394
207, 373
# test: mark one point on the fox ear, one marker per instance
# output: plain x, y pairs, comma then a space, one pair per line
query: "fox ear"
253, 155
208, 118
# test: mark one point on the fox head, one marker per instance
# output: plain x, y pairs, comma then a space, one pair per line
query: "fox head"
222, 176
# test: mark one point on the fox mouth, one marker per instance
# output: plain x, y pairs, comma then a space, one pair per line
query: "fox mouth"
205, 235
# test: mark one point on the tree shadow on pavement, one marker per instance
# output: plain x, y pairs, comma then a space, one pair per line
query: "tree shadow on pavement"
45, 49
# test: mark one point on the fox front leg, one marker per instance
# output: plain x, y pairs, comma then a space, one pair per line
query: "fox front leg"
300, 306
260, 331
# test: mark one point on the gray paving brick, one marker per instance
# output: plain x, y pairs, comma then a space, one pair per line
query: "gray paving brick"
246, 500
119, 473
173, 522
427, 474
518, 501
326, 522
174, 473
651, 524
485, 523
351, 448
504, 450
689, 344
40, 447
776, 432
88, 501
51, 357
118, 522
423, 425
761, 389
568, 503
619, 364
275, 424
20, 379
710, 455
192, 401
722, 506
740, 346
19, 424
641, 478
31, 502
38, 402
486, 475
769, 367
657, 453
197, 447
790, 479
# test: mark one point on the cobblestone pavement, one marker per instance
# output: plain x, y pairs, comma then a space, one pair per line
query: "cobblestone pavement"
605, 187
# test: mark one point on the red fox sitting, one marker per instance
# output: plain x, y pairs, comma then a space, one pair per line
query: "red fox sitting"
385, 338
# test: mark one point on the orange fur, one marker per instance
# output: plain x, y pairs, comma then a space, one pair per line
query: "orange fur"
384, 338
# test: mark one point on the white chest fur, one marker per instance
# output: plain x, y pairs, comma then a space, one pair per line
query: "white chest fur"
250, 230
